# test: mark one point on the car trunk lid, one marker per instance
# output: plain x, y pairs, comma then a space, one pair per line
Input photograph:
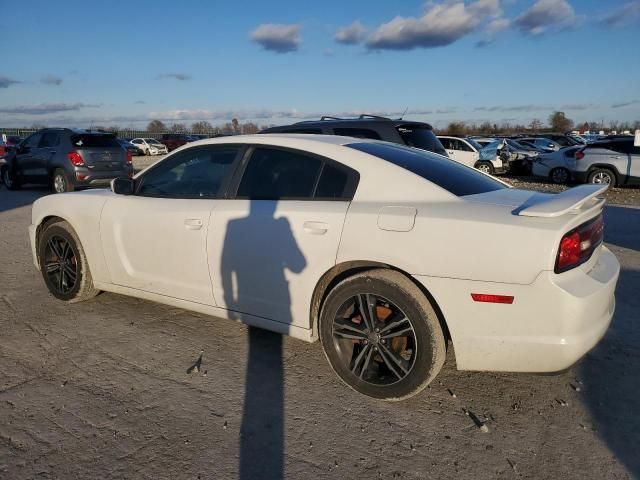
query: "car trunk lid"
100, 152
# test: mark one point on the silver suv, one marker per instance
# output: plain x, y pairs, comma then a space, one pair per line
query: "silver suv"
616, 162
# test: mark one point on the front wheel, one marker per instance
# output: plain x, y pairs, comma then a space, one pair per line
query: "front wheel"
64, 265
381, 335
9, 178
485, 167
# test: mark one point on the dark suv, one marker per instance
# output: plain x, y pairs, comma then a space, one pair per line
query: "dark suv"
66, 158
413, 134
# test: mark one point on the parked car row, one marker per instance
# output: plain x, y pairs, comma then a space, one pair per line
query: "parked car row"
615, 162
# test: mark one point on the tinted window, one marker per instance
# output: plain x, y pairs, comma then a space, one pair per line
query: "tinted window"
33, 140
273, 174
94, 140
446, 143
50, 139
624, 147
448, 174
333, 183
421, 137
357, 132
195, 173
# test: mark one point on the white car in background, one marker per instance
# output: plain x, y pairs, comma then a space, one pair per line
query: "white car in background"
555, 166
150, 146
467, 152
365, 245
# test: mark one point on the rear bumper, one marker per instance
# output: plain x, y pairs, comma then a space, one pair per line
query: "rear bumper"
551, 324
85, 177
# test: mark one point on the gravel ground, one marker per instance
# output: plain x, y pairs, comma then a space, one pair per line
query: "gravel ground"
101, 389
614, 196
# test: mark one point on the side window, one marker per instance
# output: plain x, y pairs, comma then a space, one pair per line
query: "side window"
336, 183
136, 141
274, 174
33, 140
195, 173
50, 139
464, 146
357, 132
446, 143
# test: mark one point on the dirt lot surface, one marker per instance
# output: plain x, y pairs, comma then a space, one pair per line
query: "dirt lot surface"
101, 390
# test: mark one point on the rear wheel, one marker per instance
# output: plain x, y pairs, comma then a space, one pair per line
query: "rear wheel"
60, 182
602, 176
63, 264
9, 178
381, 335
485, 167
559, 175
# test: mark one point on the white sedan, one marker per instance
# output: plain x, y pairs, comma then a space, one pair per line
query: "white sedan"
370, 247
150, 146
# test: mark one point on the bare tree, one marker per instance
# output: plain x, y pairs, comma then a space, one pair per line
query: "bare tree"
250, 128
559, 122
202, 127
235, 125
178, 128
156, 126
535, 125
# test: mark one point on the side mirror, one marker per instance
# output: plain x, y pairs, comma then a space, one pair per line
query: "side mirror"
123, 186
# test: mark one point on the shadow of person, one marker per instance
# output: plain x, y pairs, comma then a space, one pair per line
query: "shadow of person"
257, 251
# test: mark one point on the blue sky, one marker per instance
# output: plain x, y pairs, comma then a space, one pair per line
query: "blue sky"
124, 63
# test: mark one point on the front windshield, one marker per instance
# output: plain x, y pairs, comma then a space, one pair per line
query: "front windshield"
152, 140
474, 144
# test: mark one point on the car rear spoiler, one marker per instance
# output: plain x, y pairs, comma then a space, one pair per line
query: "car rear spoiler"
567, 201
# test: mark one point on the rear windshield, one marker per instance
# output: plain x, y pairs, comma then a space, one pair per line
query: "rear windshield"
448, 174
89, 140
421, 137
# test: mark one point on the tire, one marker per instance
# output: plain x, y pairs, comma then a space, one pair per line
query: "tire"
62, 258
559, 175
9, 178
60, 182
485, 167
367, 359
602, 176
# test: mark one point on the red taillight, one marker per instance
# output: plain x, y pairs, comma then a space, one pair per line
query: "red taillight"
579, 155
129, 157
75, 158
488, 298
577, 246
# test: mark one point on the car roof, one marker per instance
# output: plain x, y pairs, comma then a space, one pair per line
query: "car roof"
363, 121
294, 137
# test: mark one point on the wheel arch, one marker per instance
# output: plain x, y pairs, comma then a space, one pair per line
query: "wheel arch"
44, 223
347, 269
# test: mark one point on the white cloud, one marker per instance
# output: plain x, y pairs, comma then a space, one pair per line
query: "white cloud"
277, 38
546, 15
442, 24
627, 14
352, 34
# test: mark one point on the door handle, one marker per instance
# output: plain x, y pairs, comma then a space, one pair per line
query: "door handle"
193, 224
315, 228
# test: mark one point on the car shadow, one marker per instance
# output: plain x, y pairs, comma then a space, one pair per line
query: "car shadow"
610, 371
244, 254
11, 199
629, 219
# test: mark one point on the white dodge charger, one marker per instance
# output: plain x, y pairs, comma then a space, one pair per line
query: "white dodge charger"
385, 253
